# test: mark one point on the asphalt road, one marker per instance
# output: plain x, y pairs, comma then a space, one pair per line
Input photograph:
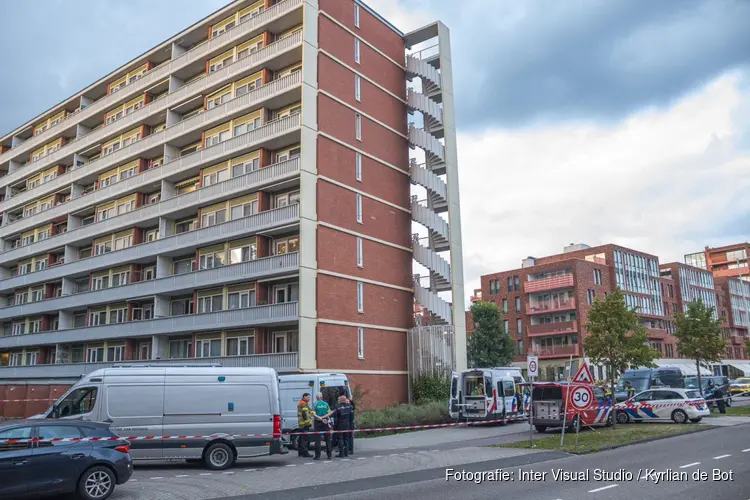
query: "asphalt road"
725, 451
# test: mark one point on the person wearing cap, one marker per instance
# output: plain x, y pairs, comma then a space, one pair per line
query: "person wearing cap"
304, 420
321, 427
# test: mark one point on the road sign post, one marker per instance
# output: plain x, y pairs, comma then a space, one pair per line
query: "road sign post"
532, 369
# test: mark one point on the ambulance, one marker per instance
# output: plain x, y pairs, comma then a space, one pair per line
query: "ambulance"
486, 394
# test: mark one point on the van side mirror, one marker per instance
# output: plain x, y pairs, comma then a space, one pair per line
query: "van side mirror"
55, 411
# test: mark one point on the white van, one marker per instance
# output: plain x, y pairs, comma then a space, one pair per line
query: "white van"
292, 387
486, 394
182, 401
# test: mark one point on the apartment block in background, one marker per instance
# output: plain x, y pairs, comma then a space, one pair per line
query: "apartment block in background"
239, 194
726, 261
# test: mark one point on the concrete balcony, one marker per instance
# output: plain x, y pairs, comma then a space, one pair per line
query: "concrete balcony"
149, 214
274, 314
281, 362
199, 123
550, 307
551, 283
171, 245
267, 267
200, 53
560, 328
558, 351
656, 333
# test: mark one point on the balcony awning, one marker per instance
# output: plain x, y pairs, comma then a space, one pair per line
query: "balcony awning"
687, 368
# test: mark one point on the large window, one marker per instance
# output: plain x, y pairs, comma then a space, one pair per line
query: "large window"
79, 402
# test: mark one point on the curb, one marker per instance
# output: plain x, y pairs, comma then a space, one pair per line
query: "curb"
641, 441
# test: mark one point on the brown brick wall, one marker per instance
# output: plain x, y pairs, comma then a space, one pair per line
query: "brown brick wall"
339, 81
337, 252
338, 162
379, 391
337, 300
338, 42
338, 206
337, 120
370, 28
337, 349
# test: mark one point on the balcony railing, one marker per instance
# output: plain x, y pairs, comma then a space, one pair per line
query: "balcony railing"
170, 285
198, 123
550, 283
656, 333
284, 313
556, 351
200, 52
202, 237
204, 196
553, 328
548, 307
281, 362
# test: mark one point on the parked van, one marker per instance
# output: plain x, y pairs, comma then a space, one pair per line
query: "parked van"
550, 407
292, 387
647, 378
182, 401
486, 394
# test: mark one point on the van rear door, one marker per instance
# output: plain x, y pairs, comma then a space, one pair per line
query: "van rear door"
137, 409
453, 400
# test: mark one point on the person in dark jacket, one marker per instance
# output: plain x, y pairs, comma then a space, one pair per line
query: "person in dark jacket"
351, 434
344, 418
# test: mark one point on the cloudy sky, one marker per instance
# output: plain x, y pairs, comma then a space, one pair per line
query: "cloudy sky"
594, 121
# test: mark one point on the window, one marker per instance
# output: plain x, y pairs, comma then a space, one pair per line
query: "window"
19, 328
358, 88
116, 353
358, 126
208, 348
210, 304
516, 283
240, 346
519, 326
286, 293
242, 254
518, 304
31, 358
356, 50
360, 297
590, 296
95, 354
78, 402
179, 349
356, 15
118, 316
359, 208
358, 166
505, 306
244, 210
213, 218
360, 256
215, 177
361, 343
597, 277
241, 300
209, 261
246, 167
16, 433
510, 284
506, 328
246, 127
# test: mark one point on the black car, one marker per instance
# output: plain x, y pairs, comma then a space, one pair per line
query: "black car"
717, 380
90, 469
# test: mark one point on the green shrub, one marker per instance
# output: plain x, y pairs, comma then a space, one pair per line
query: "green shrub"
401, 416
431, 388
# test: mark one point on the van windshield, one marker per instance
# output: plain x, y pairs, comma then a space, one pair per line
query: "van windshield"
639, 384
79, 402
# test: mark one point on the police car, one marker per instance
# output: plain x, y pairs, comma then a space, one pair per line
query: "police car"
678, 405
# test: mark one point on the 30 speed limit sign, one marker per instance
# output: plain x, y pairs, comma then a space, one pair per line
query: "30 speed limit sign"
581, 397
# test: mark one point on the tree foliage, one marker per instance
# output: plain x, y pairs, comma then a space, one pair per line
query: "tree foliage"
616, 338
428, 388
488, 345
698, 335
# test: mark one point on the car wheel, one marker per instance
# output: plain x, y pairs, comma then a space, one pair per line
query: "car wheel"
97, 483
540, 428
696, 420
293, 442
218, 456
623, 417
679, 417
729, 401
575, 425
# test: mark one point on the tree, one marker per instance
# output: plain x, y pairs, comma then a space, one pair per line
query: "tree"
698, 335
488, 345
616, 338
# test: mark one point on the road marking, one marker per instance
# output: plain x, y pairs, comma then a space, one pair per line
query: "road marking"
292, 465
394, 454
205, 473
308, 463
344, 459
721, 456
603, 488
250, 470
228, 472
158, 477
183, 475
378, 456
361, 458
746, 450
689, 465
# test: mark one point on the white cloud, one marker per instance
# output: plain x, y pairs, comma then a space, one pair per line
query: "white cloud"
660, 181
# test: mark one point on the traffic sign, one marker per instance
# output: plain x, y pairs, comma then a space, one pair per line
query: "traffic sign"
581, 397
583, 375
533, 366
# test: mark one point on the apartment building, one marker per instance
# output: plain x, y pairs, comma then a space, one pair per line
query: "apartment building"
240, 194
545, 303
726, 261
